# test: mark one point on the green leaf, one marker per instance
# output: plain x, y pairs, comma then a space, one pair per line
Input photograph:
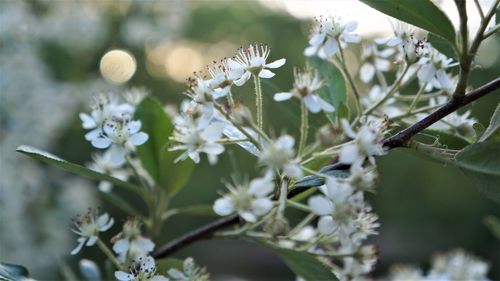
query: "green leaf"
493, 223
442, 45
198, 210
174, 176
480, 162
421, 13
343, 112
334, 90
119, 203
305, 265
74, 168
478, 130
165, 264
157, 124
13, 272
493, 131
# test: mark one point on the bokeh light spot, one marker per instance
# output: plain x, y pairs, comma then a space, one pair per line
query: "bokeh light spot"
118, 66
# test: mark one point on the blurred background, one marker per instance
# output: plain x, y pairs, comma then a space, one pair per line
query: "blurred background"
54, 55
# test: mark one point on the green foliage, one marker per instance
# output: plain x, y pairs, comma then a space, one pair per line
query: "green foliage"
198, 210
446, 139
493, 223
174, 176
305, 265
74, 168
481, 163
442, 45
492, 132
120, 203
421, 13
165, 264
154, 154
13, 272
343, 112
334, 90
157, 124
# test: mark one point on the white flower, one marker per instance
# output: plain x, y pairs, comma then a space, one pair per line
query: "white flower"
279, 156
402, 32
190, 272
433, 67
104, 107
454, 122
458, 265
373, 60
328, 35
102, 163
366, 144
200, 90
88, 227
252, 61
195, 139
223, 78
121, 134
130, 243
413, 49
249, 201
305, 87
144, 269
335, 209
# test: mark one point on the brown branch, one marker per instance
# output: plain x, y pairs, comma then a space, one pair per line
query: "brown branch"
397, 140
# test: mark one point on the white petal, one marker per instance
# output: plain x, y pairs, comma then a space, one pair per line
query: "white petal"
386, 53
320, 205
426, 72
212, 148
285, 141
91, 241
262, 206
176, 274
244, 78
121, 246
349, 154
266, 73
249, 217
87, 121
78, 247
444, 79
93, 134
326, 225
276, 63
123, 276
312, 103
282, 96
351, 26
194, 155
317, 39
134, 126
117, 154
257, 62
394, 42
351, 38
347, 129
139, 138
223, 206
101, 142
145, 244
105, 222
327, 107
310, 51
233, 65
293, 170
367, 72
331, 47
261, 187
383, 65
105, 186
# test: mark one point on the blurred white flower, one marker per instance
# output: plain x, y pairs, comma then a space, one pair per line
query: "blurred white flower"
102, 163
433, 67
129, 243
305, 87
334, 208
328, 35
88, 227
375, 95
190, 272
143, 269
458, 265
366, 144
250, 201
252, 61
373, 60
223, 78
402, 32
279, 155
